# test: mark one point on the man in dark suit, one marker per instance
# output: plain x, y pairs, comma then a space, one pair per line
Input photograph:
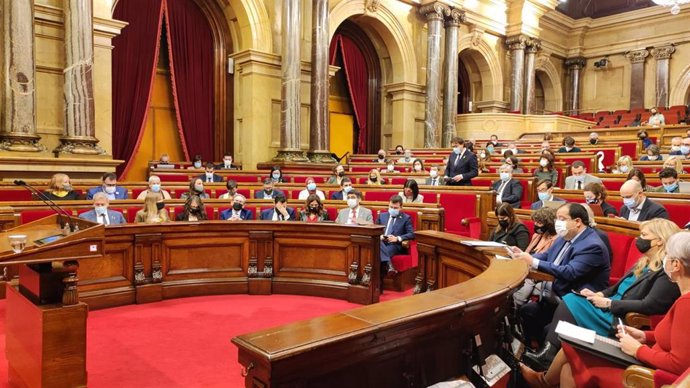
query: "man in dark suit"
100, 212
434, 179
209, 176
227, 163
109, 187
345, 187
636, 206
507, 189
462, 165
237, 212
268, 192
578, 259
280, 212
398, 228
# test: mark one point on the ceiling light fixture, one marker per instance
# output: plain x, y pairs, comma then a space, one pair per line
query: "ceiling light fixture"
674, 4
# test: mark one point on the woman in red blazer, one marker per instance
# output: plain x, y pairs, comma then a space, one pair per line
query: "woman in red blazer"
667, 347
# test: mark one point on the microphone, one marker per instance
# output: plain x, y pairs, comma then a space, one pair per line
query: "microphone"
62, 213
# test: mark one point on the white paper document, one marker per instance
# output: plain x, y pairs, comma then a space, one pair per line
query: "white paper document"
576, 332
479, 243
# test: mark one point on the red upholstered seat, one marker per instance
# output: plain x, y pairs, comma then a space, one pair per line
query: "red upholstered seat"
246, 178
174, 178
15, 195
33, 215
383, 196
621, 245
678, 212
137, 191
396, 180
332, 213
408, 260
459, 206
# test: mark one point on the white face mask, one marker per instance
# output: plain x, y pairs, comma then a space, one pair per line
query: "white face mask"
561, 228
663, 266
352, 203
433, 173
624, 168
543, 162
391, 167
418, 168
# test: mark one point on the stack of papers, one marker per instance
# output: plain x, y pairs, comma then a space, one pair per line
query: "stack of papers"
479, 243
576, 332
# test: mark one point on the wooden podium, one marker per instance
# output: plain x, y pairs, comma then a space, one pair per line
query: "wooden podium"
46, 323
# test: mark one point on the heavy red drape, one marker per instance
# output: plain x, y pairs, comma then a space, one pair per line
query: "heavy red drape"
357, 78
135, 55
190, 42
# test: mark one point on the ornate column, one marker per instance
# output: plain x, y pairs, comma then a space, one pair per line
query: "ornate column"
450, 75
533, 45
516, 45
318, 115
434, 15
18, 81
574, 65
80, 129
663, 57
290, 86
637, 59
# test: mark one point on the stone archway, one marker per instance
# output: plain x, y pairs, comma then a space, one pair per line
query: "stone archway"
483, 66
548, 77
680, 92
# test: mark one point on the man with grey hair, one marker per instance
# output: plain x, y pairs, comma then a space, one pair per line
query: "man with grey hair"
100, 212
154, 187
636, 206
676, 143
237, 212
507, 189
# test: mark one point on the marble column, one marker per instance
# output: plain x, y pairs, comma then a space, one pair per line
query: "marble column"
434, 15
450, 75
80, 128
290, 85
516, 45
637, 59
318, 118
533, 45
574, 65
663, 57
18, 126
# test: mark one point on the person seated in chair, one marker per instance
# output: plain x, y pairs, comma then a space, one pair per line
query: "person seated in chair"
346, 187
645, 289
100, 212
595, 194
433, 179
196, 187
653, 154
313, 210
197, 163
154, 187
593, 138
60, 189
578, 259
338, 175
227, 163
269, 192
354, 214
109, 187
580, 178
545, 193
510, 230
277, 175
280, 212
569, 145
410, 193
209, 175
507, 189
154, 211
398, 229
636, 205
193, 210
381, 157
311, 189
666, 348
237, 212
232, 186
669, 181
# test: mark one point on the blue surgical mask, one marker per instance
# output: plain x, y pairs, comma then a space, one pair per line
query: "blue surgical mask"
580, 178
393, 212
490, 149
629, 202
505, 176
544, 196
101, 210
684, 150
671, 187
197, 164
156, 187
457, 150
275, 175
311, 186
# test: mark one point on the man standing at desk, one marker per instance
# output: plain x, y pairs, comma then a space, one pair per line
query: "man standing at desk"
462, 164
578, 259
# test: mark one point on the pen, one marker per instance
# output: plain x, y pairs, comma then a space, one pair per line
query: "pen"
622, 328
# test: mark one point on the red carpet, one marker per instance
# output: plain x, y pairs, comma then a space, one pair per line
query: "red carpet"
182, 342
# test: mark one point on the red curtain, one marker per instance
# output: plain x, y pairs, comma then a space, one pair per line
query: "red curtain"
190, 42
135, 55
357, 78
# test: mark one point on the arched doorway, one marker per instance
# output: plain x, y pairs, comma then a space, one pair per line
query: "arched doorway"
205, 22
539, 99
353, 51
464, 89
476, 83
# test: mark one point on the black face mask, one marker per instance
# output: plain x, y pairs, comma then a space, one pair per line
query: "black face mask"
314, 209
382, 156
504, 224
160, 205
592, 141
373, 178
341, 173
591, 201
236, 206
539, 229
194, 210
643, 245
398, 152
268, 192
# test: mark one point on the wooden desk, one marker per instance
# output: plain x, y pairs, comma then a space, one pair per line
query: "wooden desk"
409, 342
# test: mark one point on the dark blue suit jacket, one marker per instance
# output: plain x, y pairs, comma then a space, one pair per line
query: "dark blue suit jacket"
512, 193
245, 214
401, 228
120, 192
216, 178
584, 265
260, 194
267, 215
338, 195
467, 166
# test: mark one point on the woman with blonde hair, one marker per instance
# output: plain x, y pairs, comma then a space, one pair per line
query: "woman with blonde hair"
676, 163
624, 165
154, 211
374, 177
644, 289
60, 189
